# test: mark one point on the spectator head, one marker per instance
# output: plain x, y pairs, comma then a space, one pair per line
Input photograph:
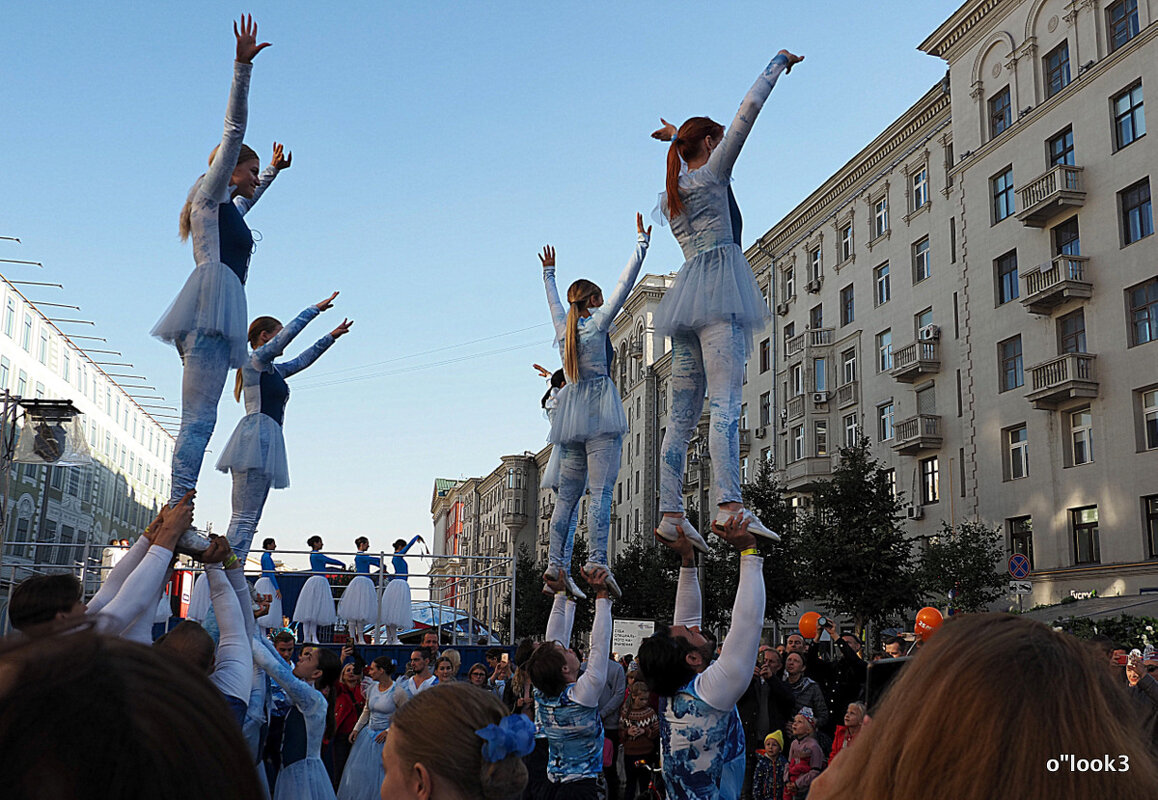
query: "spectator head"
148, 721
314, 543
804, 723
773, 744
191, 643
455, 658
351, 675
524, 650
1060, 691
552, 667
852, 640
444, 669
794, 666
420, 660
672, 656
477, 675
41, 603
894, 647
795, 644
430, 640
494, 656
268, 544
854, 715
773, 662
380, 668
283, 642
362, 543
441, 721
640, 695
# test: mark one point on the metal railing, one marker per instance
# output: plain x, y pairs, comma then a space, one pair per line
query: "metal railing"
1062, 177
1051, 273
1068, 367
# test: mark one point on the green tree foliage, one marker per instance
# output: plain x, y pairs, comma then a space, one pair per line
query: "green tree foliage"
647, 572
782, 566
964, 558
533, 608
855, 559
1126, 630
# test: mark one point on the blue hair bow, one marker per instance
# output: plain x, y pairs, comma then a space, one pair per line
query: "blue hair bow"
515, 735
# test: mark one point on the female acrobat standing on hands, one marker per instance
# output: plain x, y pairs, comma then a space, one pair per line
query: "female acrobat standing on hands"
712, 309
206, 322
588, 423
255, 454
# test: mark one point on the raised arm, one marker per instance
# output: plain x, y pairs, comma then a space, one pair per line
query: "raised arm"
722, 683
558, 624
329, 562
688, 605
590, 684
279, 162
307, 357
233, 660
263, 356
724, 157
305, 697
603, 316
118, 574
406, 549
558, 313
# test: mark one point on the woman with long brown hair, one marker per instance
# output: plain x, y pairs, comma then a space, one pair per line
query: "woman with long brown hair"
712, 309
588, 423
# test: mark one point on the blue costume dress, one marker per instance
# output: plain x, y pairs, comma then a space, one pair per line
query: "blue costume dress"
364, 773
315, 604
267, 584
255, 453
303, 775
396, 596
359, 603
588, 422
207, 322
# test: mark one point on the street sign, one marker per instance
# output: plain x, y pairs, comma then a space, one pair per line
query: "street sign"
627, 634
1018, 566
1021, 587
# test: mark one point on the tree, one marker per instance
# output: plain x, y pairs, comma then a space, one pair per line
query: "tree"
965, 559
647, 572
532, 608
782, 585
854, 556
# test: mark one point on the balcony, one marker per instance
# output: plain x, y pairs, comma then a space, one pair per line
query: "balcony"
1055, 282
1066, 377
847, 395
1047, 196
745, 440
922, 432
817, 337
796, 407
802, 475
916, 360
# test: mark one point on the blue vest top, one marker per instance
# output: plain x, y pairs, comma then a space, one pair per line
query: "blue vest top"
236, 240
274, 395
703, 747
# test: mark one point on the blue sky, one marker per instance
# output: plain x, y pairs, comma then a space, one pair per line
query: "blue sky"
437, 146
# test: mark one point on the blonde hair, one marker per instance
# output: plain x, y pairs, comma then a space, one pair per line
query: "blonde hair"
256, 329
185, 223
579, 295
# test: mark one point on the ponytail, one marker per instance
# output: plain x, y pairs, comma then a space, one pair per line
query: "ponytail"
675, 206
558, 381
578, 295
686, 145
237, 384
256, 329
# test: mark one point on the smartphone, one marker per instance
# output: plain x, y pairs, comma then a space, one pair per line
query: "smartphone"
506, 658
880, 675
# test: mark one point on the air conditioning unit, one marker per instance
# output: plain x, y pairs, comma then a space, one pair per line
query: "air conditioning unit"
820, 397
915, 512
929, 333
782, 309
761, 432
813, 286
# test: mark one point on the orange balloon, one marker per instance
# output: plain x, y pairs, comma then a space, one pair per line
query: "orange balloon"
807, 624
928, 620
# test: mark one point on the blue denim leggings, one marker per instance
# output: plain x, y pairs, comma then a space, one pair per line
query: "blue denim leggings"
593, 464
250, 489
206, 360
711, 357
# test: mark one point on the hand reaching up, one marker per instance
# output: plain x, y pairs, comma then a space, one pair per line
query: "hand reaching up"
247, 46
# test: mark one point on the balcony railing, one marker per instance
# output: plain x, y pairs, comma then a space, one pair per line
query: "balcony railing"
1055, 282
745, 440
817, 337
1066, 377
803, 473
796, 406
847, 394
922, 432
1047, 196
917, 359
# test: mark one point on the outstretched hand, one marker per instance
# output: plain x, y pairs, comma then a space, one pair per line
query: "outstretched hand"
547, 257
176, 521
217, 551
280, 159
793, 59
596, 578
639, 225
342, 329
543, 371
328, 303
666, 133
682, 545
247, 46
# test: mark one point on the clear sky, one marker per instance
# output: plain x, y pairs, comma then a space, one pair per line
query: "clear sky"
437, 146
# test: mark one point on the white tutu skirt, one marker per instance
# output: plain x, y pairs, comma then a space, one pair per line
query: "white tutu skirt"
396, 605
163, 612
713, 286
273, 619
362, 778
589, 408
212, 302
199, 600
316, 603
305, 779
550, 478
359, 600
257, 443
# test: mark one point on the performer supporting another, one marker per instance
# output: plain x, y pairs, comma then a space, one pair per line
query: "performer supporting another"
315, 605
396, 596
712, 308
359, 603
588, 423
255, 453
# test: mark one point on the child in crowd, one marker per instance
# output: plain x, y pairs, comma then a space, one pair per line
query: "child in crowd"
768, 782
639, 732
805, 758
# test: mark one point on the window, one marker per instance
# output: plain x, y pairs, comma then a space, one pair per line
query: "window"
814, 263
798, 443
922, 266
1061, 148
1129, 116
846, 242
765, 355
930, 481
1085, 525
816, 316
885, 422
1000, 113
1021, 537
26, 337
885, 350
920, 187
1150, 522
1071, 332
1150, 418
1009, 353
66, 367
819, 375
881, 217
1136, 220
1057, 69
1121, 22
924, 318
851, 430
883, 292
789, 332
21, 383
821, 437
765, 409
1017, 453
1005, 275
743, 416
796, 375
1143, 312
848, 366
847, 313
1066, 241
1082, 436
789, 281
1002, 191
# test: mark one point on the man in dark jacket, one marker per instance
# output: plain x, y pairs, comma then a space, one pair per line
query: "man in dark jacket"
842, 680
767, 705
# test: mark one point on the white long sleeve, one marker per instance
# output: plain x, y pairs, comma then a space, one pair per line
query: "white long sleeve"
137, 595
605, 314
554, 304
559, 623
240, 588
590, 684
725, 680
723, 158
688, 605
233, 664
113, 582
243, 204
